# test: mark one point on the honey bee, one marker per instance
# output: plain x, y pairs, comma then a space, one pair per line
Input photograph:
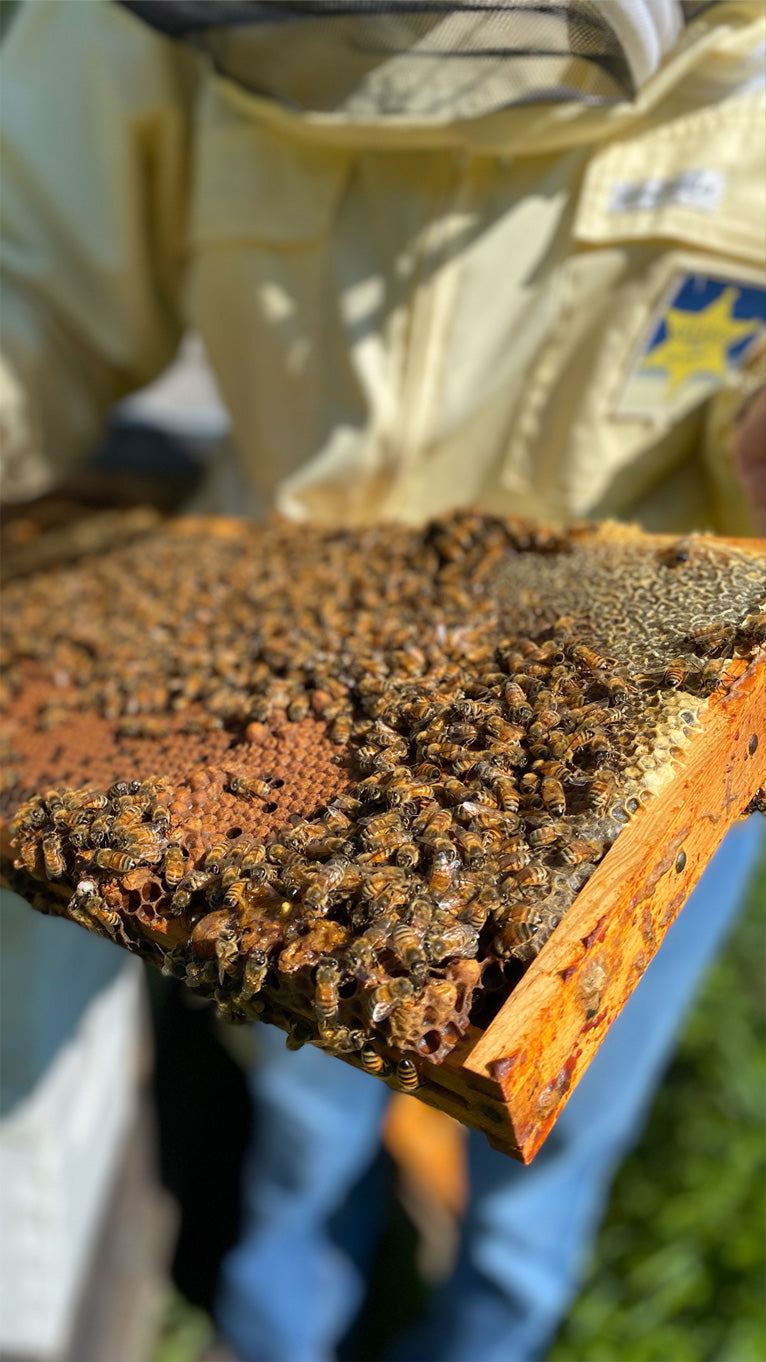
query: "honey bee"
371, 1061
110, 920
173, 865
129, 816
752, 633
579, 850
236, 894
325, 884
472, 848
452, 939
160, 816
426, 771
440, 875
713, 640
142, 842
116, 861
409, 950
253, 975
370, 788
455, 790
710, 677
298, 708
519, 936
547, 834
380, 1003
407, 856
118, 790
462, 733
326, 999
553, 796
676, 554
203, 723
600, 793
404, 790
675, 674
173, 964
485, 819
532, 876
431, 822
101, 829
298, 1034
361, 958
758, 802
475, 913
201, 973
517, 702
589, 659
336, 821
407, 1075
383, 829
216, 857
515, 857
245, 788
55, 864
190, 884
340, 730
85, 896
227, 953
616, 688
507, 793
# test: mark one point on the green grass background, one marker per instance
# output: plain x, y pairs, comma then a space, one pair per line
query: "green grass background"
678, 1270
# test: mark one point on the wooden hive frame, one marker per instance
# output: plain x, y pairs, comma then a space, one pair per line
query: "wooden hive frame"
512, 1080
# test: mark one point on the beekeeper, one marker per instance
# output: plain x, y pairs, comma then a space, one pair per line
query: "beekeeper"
490, 253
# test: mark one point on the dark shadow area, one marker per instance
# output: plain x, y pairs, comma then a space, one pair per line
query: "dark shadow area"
204, 1126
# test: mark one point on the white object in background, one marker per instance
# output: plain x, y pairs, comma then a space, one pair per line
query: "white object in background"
184, 400
59, 1149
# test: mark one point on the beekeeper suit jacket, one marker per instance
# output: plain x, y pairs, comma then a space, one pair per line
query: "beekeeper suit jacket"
541, 293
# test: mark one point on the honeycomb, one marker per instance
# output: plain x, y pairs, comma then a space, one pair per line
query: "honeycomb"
351, 781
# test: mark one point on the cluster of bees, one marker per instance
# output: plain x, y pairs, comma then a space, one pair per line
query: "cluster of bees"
500, 699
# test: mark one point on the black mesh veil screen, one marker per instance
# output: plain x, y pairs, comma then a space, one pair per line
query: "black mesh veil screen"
382, 58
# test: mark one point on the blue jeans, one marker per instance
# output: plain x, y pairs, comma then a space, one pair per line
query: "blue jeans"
289, 1290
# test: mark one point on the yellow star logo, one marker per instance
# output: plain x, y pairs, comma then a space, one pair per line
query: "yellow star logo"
699, 342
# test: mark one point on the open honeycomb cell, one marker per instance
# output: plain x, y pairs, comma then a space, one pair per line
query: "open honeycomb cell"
351, 781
